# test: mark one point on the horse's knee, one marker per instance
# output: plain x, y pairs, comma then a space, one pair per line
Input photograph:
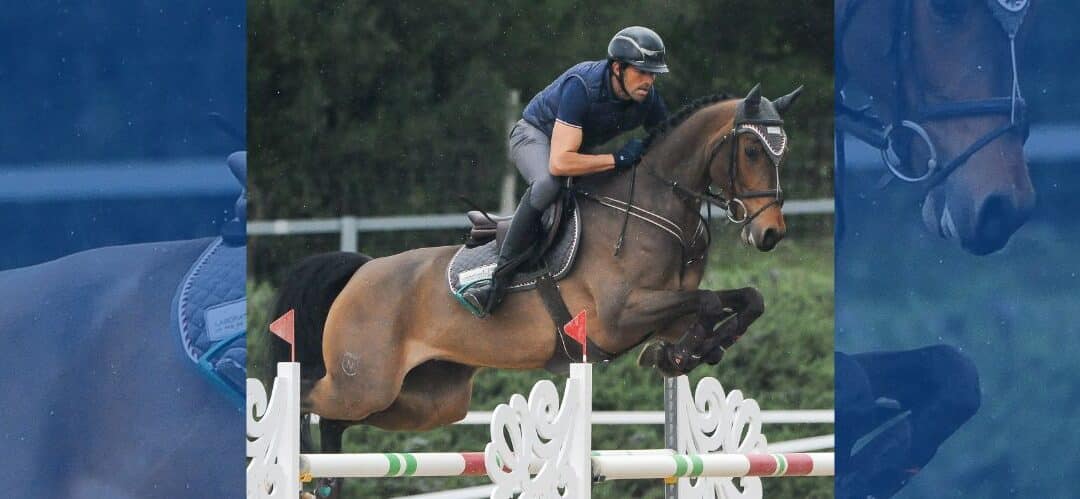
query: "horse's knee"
960, 380
753, 303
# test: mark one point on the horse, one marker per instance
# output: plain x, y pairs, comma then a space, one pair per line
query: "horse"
382, 341
943, 107
100, 397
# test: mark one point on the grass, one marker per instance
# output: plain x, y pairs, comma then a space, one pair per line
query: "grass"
1012, 313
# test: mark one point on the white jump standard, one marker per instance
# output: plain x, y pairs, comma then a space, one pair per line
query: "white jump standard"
540, 448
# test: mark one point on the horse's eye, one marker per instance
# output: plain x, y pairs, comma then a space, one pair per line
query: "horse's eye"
752, 152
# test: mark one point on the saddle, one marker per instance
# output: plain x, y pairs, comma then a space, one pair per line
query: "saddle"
554, 256
209, 309
549, 261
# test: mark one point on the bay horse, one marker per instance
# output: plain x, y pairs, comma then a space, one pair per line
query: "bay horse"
942, 104
99, 396
382, 341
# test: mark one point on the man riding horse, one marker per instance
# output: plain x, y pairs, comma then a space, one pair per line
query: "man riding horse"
588, 105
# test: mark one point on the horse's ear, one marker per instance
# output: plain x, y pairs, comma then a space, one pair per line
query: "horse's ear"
754, 97
783, 103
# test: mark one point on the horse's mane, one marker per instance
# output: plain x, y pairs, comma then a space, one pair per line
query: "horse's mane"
659, 131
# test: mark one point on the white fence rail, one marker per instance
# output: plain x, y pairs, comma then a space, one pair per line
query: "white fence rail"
806, 416
348, 227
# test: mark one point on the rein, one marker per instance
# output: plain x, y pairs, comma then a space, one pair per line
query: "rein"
706, 197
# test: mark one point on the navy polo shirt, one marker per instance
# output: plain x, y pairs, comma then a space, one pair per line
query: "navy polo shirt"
582, 97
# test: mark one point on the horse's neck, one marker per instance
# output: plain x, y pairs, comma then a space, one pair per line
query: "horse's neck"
680, 157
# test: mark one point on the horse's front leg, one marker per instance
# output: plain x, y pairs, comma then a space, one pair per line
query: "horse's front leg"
655, 310
722, 317
665, 313
739, 308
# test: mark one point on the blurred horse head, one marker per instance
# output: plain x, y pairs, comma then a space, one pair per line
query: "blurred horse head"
946, 109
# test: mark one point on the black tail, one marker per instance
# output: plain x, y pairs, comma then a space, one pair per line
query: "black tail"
309, 288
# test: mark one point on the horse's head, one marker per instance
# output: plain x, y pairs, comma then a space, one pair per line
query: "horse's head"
750, 179
945, 86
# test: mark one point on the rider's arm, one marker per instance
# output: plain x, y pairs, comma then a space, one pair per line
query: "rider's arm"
565, 161
566, 136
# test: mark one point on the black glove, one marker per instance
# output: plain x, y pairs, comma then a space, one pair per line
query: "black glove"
629, 154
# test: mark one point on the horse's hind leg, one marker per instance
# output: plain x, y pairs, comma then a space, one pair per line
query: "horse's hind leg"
366, 361
435, 393
330, 433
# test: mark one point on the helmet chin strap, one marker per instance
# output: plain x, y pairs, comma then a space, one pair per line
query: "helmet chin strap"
622, 74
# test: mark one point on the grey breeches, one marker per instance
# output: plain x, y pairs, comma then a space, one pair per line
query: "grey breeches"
529, 150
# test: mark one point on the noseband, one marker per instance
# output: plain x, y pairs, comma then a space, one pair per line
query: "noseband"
867, 127
771, 135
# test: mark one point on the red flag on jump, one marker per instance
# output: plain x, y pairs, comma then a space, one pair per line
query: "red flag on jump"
577, 330
283, 327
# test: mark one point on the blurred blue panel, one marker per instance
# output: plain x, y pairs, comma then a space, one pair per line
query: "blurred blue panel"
957, 295
114, 193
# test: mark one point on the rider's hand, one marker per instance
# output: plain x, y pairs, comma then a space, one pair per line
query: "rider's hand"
629, 154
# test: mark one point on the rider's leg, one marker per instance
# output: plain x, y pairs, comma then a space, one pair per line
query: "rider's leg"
529, 149
519, 238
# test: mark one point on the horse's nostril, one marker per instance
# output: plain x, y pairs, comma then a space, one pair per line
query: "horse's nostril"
770, 238
997, 214
995, 223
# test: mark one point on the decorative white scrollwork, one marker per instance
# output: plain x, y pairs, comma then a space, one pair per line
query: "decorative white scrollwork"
712, 421
527, 433
273, 445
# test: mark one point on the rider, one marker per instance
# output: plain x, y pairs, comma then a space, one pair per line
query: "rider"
589, 104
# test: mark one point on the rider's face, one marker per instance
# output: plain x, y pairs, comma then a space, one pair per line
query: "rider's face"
638, 82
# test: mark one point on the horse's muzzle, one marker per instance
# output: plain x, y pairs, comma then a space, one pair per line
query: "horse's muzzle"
764, 239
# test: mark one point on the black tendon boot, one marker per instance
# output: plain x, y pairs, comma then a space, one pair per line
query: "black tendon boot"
716, 329
515, 250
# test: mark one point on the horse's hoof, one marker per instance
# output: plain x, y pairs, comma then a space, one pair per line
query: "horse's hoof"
713, 358
652, 353
670, 372
327, 488
655, 355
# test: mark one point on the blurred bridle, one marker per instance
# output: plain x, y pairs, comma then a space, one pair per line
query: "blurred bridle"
869, 128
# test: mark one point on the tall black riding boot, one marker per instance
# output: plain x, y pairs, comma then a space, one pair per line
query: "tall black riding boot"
515, 250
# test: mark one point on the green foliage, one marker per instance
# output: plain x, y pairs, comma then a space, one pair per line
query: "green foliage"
784, 362
378, 108
1012, 313
260, 299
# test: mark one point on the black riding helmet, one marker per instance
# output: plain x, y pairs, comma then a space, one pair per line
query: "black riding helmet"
639, 47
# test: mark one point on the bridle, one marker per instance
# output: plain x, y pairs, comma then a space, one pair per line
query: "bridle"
862, 124
769, 132
772, 136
